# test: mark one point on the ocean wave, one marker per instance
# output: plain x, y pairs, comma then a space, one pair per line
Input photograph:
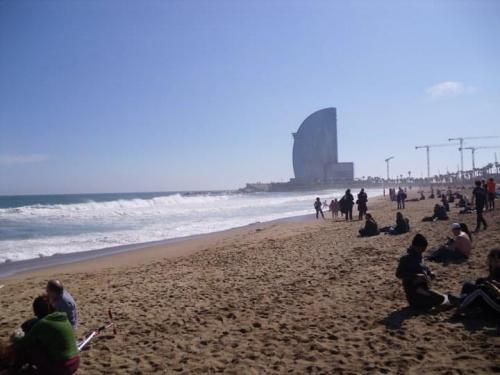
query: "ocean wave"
45, 229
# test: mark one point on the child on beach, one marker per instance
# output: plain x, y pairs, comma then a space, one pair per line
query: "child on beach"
334, 208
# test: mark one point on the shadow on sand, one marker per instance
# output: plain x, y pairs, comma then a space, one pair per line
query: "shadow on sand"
396, 318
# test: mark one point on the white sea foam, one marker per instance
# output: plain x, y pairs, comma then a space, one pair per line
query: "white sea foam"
44, 230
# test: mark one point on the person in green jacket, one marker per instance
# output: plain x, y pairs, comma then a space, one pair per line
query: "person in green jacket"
49, 344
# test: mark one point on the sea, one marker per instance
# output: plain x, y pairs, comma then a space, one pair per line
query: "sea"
34, 226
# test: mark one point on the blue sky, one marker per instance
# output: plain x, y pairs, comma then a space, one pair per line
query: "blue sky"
103, 96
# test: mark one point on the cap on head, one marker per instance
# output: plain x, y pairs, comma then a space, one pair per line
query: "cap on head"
55, 286
419, 241
456, 226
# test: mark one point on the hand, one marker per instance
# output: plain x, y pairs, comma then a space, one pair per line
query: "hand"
420, 278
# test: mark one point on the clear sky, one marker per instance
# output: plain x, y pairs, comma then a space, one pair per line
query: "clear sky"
104, 96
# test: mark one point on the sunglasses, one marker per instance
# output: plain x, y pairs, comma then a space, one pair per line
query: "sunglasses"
497, 256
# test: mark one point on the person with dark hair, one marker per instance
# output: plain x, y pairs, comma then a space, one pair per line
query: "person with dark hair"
464, 228
479, 199
41, 308
348, 203
416, 277
362, 204
334, 208
402, 225
371, 227
491, 188
317, 207
401, 197
61, 300
445, 203
49, 344
484, 294
457, 249
439, 214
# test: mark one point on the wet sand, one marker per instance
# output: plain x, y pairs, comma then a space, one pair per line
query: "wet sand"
300, 297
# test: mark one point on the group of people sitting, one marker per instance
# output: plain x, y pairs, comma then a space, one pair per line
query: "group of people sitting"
371, 227
47, 342
481, 296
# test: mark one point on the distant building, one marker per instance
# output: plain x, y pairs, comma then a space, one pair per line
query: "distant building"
315, 153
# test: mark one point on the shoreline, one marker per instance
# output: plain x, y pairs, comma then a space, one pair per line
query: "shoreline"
306, 296
14, 269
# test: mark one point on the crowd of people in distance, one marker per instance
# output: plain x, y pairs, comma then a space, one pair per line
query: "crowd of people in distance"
47, 342
484, 294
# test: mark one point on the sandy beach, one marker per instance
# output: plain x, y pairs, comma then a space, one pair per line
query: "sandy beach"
291, 297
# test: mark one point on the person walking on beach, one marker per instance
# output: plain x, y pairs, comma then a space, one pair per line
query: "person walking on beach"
416, 277
348, 204
334, 208
317, 207
362, 203
491, 188
479, 199
401, 197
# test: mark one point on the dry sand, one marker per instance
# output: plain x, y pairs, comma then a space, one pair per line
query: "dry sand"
306, 297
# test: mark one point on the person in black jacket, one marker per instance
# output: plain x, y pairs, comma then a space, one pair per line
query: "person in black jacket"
479, 198
484, 294
348, 202
371, 227
401, 197
416, 277
362, 203
402, 225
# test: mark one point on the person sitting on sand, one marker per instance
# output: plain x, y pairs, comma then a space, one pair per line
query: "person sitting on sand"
334, 208
439, 214
445, 203
422, 196
61, 300
371, 227
484, 294
416, 277
49, 344
41, 308
402, 225
457, 249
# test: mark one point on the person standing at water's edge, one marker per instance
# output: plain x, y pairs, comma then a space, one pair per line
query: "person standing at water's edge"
317, 207
348, 201
362, 203
479, 199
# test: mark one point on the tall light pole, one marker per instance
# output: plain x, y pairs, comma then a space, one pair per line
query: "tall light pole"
387, 164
